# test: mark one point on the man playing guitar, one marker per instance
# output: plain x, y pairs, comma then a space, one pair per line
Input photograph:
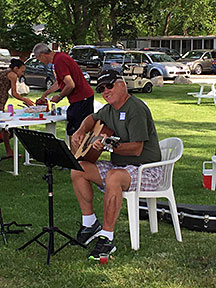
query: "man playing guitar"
131, 120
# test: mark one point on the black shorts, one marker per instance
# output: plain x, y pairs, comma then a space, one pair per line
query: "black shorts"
77, 112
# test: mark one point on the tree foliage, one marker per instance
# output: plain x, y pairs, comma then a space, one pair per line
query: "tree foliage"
3, 23
22, 37
72, 22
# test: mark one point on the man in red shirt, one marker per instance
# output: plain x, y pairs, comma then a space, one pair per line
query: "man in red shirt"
71, 82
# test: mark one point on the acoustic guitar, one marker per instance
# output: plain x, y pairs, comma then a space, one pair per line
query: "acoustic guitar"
86, 151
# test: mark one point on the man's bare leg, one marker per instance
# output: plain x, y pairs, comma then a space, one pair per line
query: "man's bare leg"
91, 227
117, 180
82, 186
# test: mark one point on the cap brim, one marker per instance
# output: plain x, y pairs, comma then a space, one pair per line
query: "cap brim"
102, 83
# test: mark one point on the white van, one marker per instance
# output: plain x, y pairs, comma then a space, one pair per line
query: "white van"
5, 58
4, 52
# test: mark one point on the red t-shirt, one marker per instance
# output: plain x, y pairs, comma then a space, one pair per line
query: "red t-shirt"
65, 65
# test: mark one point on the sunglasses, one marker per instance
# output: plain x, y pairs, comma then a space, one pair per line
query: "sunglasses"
101, 89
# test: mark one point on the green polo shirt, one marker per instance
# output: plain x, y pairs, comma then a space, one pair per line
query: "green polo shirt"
132, 122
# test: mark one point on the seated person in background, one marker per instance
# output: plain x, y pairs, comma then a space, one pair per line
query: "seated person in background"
131, 120
8, 80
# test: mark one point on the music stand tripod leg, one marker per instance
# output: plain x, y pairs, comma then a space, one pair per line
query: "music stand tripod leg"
50, 247
3, 233
44, 147
51, 229
35, 239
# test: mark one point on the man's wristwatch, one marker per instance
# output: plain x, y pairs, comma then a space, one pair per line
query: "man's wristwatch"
60, 97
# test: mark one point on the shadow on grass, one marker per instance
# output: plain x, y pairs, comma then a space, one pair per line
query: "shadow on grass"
210, 103
190, 126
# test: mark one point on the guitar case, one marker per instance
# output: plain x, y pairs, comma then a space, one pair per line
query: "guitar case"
191, 216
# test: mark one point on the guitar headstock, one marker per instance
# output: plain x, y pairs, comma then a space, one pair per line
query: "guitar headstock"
110, 142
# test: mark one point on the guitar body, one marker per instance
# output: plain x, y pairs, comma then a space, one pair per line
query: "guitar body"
86, 152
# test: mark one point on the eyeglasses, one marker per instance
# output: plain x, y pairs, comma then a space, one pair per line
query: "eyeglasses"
101, 89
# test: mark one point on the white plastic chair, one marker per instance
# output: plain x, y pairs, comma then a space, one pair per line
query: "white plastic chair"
171, 150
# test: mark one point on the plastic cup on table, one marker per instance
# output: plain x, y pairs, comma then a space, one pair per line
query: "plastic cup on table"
10, 109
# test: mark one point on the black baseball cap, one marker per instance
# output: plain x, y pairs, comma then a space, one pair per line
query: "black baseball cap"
107, 77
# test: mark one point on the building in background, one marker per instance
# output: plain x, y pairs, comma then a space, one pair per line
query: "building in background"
180, 43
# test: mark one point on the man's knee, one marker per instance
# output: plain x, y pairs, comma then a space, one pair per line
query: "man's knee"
87, 168
113, 177
117, 178
77, 173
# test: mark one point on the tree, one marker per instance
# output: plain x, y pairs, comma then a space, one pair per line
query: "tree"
79, 21
69, 21
179, 17
72, 22
4, 7
22, 37
196, 17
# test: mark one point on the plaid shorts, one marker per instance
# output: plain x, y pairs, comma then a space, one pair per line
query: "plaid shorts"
151, 177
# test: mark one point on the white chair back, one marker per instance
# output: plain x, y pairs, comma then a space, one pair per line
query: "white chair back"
171, 150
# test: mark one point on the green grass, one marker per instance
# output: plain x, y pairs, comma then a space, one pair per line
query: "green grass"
161, 261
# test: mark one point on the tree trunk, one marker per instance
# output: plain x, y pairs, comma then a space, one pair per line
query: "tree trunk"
166, 28
99, 29
114, 22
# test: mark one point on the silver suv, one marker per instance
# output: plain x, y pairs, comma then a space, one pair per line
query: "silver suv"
199, 61
161, 64
156, 63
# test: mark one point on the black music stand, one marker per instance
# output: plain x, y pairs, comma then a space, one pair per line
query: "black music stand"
44, 147
4, 231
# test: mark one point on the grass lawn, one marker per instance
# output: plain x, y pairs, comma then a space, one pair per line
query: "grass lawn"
161, 261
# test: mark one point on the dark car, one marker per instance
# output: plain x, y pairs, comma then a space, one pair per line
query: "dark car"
199, 61
90, 58
214, 62
41, 75
171, 52
214, 66
38, 74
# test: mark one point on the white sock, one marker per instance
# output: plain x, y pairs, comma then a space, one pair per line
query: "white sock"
108, 234
88, 220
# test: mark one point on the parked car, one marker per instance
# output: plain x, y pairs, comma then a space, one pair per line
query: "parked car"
199, 61
214, 66
4, 52
90, 57
5, 58
171, 52
38, 74
41, 75
157, 63
87, 76
161, 64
